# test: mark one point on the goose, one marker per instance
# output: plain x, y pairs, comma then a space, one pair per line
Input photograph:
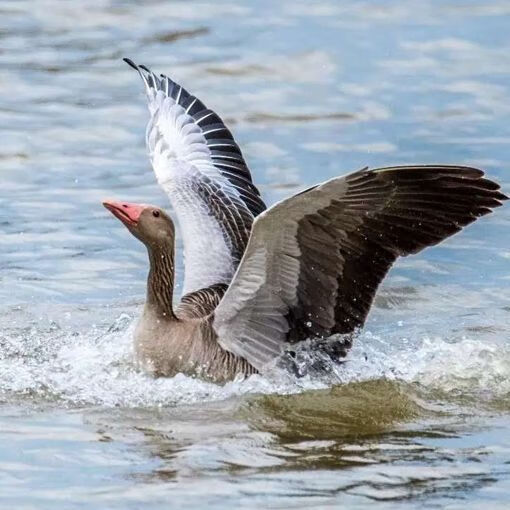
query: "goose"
260, 280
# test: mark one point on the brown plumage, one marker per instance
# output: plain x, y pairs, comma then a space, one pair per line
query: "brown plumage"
311, 267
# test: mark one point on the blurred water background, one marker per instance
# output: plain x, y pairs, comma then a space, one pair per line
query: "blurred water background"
419, 417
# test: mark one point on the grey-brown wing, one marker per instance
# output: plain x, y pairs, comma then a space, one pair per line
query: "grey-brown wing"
314, 261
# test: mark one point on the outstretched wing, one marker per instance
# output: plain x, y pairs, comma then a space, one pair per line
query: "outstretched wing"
201, 168
314, 261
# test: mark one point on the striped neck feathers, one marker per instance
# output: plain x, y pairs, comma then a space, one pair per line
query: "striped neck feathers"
160, 283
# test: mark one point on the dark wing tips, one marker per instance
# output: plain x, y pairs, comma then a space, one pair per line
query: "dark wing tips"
149, 80
486, 192
167, 86
129, 62
441, 199
448, 178
136, 67
500, 196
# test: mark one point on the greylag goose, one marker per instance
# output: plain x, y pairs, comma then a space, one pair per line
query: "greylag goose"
259, 281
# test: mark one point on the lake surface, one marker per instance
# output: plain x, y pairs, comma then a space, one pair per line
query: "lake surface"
419, 415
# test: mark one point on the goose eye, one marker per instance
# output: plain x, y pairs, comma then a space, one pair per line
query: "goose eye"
155, 214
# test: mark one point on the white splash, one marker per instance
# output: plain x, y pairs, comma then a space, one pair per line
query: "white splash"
97, 368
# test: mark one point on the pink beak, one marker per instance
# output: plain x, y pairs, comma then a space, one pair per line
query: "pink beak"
128, 213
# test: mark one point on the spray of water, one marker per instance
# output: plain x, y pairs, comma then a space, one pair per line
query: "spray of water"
96, 367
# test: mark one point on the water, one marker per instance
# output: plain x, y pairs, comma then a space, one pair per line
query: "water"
419, 416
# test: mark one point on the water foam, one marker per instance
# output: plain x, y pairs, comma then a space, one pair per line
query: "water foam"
97, 368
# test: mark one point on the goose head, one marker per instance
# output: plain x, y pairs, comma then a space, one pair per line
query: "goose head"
148, 223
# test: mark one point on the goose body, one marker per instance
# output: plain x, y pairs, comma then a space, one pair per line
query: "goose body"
258, 280
184, 344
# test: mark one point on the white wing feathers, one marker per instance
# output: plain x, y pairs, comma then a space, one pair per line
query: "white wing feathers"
201, 168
